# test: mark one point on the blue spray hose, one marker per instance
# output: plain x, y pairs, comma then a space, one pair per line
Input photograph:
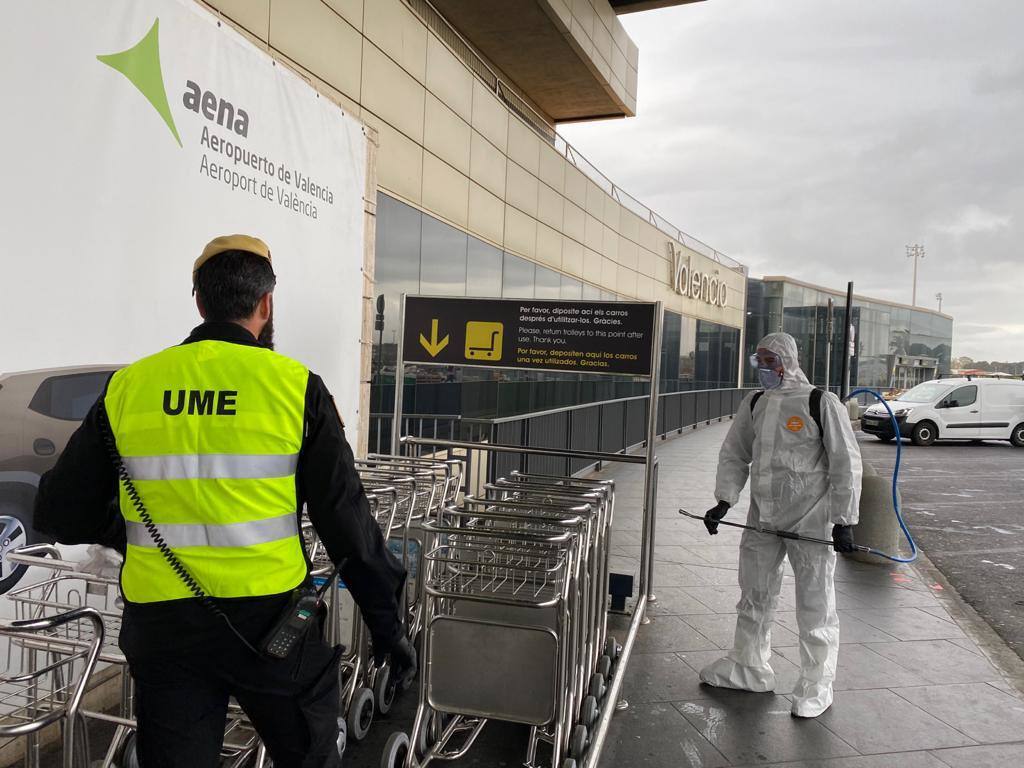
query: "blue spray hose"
895, 480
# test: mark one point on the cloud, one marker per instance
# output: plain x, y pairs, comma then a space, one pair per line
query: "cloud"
819, 140
973, 219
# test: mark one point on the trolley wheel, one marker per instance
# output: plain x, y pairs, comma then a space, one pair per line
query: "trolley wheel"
432, 730
396, 749
589, 712
612, 649
342, 741
360, 714
604, 667
384, 690
597, 686
128, 753
578, 741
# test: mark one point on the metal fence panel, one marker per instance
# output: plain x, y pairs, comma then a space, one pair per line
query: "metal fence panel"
703, 407
636, 421
612, 432
672, 406
549, 431
502, 464
584, 433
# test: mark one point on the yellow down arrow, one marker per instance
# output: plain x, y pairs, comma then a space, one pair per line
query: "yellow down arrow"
433, 346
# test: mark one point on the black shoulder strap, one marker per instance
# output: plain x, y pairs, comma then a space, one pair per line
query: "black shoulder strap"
816, 395
754, 399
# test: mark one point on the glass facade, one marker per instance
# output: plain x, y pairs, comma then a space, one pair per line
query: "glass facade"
416, 253
894, 346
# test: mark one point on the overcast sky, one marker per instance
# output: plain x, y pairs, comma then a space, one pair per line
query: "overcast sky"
816, 138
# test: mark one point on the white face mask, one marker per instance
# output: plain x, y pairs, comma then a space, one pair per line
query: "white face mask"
770, 378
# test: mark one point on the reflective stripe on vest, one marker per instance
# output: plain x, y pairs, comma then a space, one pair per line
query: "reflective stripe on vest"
210, 433
232, 535
197, 466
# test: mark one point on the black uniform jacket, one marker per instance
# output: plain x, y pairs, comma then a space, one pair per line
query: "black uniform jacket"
77, 504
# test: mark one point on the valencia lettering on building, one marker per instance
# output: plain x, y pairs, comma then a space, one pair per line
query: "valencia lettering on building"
689, 282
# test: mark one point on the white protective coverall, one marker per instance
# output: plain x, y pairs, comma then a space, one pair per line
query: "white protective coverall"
801, 481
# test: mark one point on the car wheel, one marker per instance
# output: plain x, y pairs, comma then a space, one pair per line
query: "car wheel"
924, 433
15, 531
1017, 436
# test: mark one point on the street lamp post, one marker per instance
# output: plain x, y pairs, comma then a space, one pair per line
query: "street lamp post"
938, 296
915, 252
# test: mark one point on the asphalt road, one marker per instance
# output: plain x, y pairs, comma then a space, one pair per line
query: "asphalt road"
964, 503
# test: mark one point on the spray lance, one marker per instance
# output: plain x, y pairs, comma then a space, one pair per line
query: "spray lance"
895, 500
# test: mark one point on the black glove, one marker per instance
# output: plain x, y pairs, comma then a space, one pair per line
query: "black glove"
403, 664
842, 539
713, 515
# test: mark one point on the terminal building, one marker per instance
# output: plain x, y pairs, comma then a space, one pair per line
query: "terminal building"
478, 194
895, 346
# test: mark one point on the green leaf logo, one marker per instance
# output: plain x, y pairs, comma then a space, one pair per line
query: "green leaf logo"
141, 65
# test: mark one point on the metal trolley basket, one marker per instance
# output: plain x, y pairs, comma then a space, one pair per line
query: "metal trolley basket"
402, 492
515, 614
50, 661
66, 589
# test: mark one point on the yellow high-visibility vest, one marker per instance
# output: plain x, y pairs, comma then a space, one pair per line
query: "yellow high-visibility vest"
210, 433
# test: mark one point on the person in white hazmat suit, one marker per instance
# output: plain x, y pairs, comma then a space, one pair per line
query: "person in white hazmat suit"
801, 480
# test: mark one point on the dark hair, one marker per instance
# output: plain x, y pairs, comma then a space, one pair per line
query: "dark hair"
232, 283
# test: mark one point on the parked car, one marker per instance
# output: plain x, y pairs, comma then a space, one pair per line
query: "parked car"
959, 409
39, 410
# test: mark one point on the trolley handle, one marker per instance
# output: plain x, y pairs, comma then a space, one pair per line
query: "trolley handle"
51, 622
524, 535
37, 554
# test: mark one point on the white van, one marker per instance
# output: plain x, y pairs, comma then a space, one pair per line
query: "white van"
953, 409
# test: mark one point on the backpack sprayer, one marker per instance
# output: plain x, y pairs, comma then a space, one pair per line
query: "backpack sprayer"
895, 500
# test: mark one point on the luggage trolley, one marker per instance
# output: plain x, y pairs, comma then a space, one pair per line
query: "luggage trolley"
599, 651
50, 661
502, 593
65, 589
605, 490
356, 677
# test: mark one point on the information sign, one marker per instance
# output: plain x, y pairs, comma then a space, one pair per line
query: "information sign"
578, 336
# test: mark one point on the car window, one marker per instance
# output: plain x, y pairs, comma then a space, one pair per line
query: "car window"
964, 395
69, 397
928, 392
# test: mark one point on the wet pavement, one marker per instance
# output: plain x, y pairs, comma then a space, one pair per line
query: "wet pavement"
963, 503
914, 689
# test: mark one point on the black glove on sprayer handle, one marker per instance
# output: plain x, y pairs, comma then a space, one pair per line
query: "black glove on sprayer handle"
842, 539
713, 515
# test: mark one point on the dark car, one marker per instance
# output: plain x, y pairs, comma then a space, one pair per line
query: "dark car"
39, 410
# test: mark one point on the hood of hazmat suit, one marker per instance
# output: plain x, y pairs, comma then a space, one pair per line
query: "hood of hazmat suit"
801, 480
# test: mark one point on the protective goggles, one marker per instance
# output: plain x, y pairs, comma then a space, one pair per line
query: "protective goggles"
765, 361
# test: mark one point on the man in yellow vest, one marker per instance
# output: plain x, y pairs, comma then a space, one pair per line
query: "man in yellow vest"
215, 447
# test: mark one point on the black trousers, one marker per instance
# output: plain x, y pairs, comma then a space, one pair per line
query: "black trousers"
182, 701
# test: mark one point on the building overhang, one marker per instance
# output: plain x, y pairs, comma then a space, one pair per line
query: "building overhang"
631, 6
573, 67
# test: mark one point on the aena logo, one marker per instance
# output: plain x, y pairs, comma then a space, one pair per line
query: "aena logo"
141, 65
212, 108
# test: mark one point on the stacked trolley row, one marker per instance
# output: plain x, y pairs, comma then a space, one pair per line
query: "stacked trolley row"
402, 492
515, 616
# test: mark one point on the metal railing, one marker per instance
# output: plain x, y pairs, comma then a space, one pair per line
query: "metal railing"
608, 426
542, 125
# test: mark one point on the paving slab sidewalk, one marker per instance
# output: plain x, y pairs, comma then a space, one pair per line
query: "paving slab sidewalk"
918, 683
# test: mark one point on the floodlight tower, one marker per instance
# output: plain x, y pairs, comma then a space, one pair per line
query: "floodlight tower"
938, 296
915, 252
